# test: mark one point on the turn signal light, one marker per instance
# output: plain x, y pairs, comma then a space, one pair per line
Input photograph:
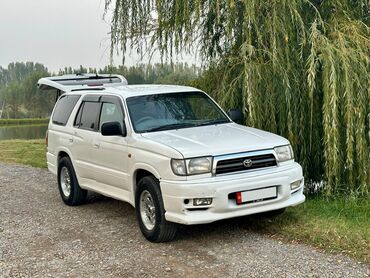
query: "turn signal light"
295, 185
238, 198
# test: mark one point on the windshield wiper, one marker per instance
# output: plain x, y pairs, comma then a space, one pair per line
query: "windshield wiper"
169, 126
213, 122
183, 125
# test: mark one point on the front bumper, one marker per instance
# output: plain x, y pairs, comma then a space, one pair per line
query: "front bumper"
175, 193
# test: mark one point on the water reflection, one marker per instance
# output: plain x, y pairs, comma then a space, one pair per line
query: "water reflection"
23, 132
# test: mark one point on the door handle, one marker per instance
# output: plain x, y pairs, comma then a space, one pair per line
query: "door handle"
97, 146
70, 140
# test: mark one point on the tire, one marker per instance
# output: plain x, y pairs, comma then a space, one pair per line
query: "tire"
153, 224
70, 191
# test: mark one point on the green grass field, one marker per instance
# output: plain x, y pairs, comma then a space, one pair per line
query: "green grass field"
29, 152
338, 225
24, 121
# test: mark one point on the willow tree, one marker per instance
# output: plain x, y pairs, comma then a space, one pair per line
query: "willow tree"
299, 68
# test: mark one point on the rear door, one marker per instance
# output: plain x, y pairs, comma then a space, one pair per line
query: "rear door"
59, 133
110, 153
85, 129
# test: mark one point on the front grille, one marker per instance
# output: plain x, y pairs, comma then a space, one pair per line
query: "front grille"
237, 165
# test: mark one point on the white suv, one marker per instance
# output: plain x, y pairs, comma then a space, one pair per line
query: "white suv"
170, 151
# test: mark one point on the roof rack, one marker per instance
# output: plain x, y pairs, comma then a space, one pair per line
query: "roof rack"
81, 81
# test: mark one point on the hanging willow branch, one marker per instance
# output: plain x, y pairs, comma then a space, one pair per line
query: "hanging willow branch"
296, 67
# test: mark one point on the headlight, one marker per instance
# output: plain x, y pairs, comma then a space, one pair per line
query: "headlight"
193, 166
284, 153
199, 165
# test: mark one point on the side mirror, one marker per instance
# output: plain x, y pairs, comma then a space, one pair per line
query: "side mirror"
113, 129
235, 115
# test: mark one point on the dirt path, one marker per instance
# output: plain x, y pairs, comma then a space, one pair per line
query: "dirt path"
40, 236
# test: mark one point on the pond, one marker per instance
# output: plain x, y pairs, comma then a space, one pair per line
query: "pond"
23, 132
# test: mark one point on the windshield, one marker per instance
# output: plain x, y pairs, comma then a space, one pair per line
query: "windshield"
173, 111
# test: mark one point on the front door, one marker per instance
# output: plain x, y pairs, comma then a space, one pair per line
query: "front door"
110, 152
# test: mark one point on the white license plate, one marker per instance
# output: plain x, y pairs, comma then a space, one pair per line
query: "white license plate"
259, 194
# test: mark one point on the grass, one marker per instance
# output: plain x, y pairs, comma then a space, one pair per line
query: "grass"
23, 121
29, 152
339, 225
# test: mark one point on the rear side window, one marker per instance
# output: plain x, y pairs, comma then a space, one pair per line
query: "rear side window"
63, 109
89, 115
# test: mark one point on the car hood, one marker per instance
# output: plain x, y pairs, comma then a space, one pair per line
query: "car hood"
216, 139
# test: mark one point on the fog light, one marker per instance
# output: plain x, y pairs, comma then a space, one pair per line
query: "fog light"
202, 201
295, 185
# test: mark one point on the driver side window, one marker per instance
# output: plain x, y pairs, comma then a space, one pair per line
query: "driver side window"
110, 112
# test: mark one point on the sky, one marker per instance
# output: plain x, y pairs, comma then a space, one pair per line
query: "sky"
57, 33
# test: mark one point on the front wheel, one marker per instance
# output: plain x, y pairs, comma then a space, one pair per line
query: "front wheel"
150, 212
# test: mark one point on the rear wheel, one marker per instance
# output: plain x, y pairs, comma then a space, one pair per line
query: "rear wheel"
70, 191
150, 211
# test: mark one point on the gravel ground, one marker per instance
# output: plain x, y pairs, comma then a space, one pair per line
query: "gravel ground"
41, 237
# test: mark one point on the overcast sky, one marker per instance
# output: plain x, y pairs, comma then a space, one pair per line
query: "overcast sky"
56, 33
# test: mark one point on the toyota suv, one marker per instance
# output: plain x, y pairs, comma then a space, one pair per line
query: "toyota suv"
169, 151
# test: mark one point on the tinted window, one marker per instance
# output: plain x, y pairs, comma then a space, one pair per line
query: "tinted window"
172, 111
110, 112
89, 114
78, 116
63, 109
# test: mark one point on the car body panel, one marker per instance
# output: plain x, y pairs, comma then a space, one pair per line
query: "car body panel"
217, 139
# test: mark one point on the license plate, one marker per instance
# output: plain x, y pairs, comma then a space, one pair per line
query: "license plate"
255, 195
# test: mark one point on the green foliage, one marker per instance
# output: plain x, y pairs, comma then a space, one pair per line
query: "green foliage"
12, 96
19, 71
180, 73
18, 91
299, 68
22, 99
39, 104
336, 225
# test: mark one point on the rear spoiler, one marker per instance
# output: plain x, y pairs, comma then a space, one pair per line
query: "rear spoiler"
75, 82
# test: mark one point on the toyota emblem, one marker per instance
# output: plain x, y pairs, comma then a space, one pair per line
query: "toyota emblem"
248, 163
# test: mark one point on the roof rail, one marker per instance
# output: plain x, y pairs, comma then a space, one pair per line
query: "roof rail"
72, 82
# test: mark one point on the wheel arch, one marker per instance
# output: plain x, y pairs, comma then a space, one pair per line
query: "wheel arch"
140, 172
64, 153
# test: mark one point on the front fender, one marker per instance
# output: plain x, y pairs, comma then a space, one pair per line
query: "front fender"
146, 167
